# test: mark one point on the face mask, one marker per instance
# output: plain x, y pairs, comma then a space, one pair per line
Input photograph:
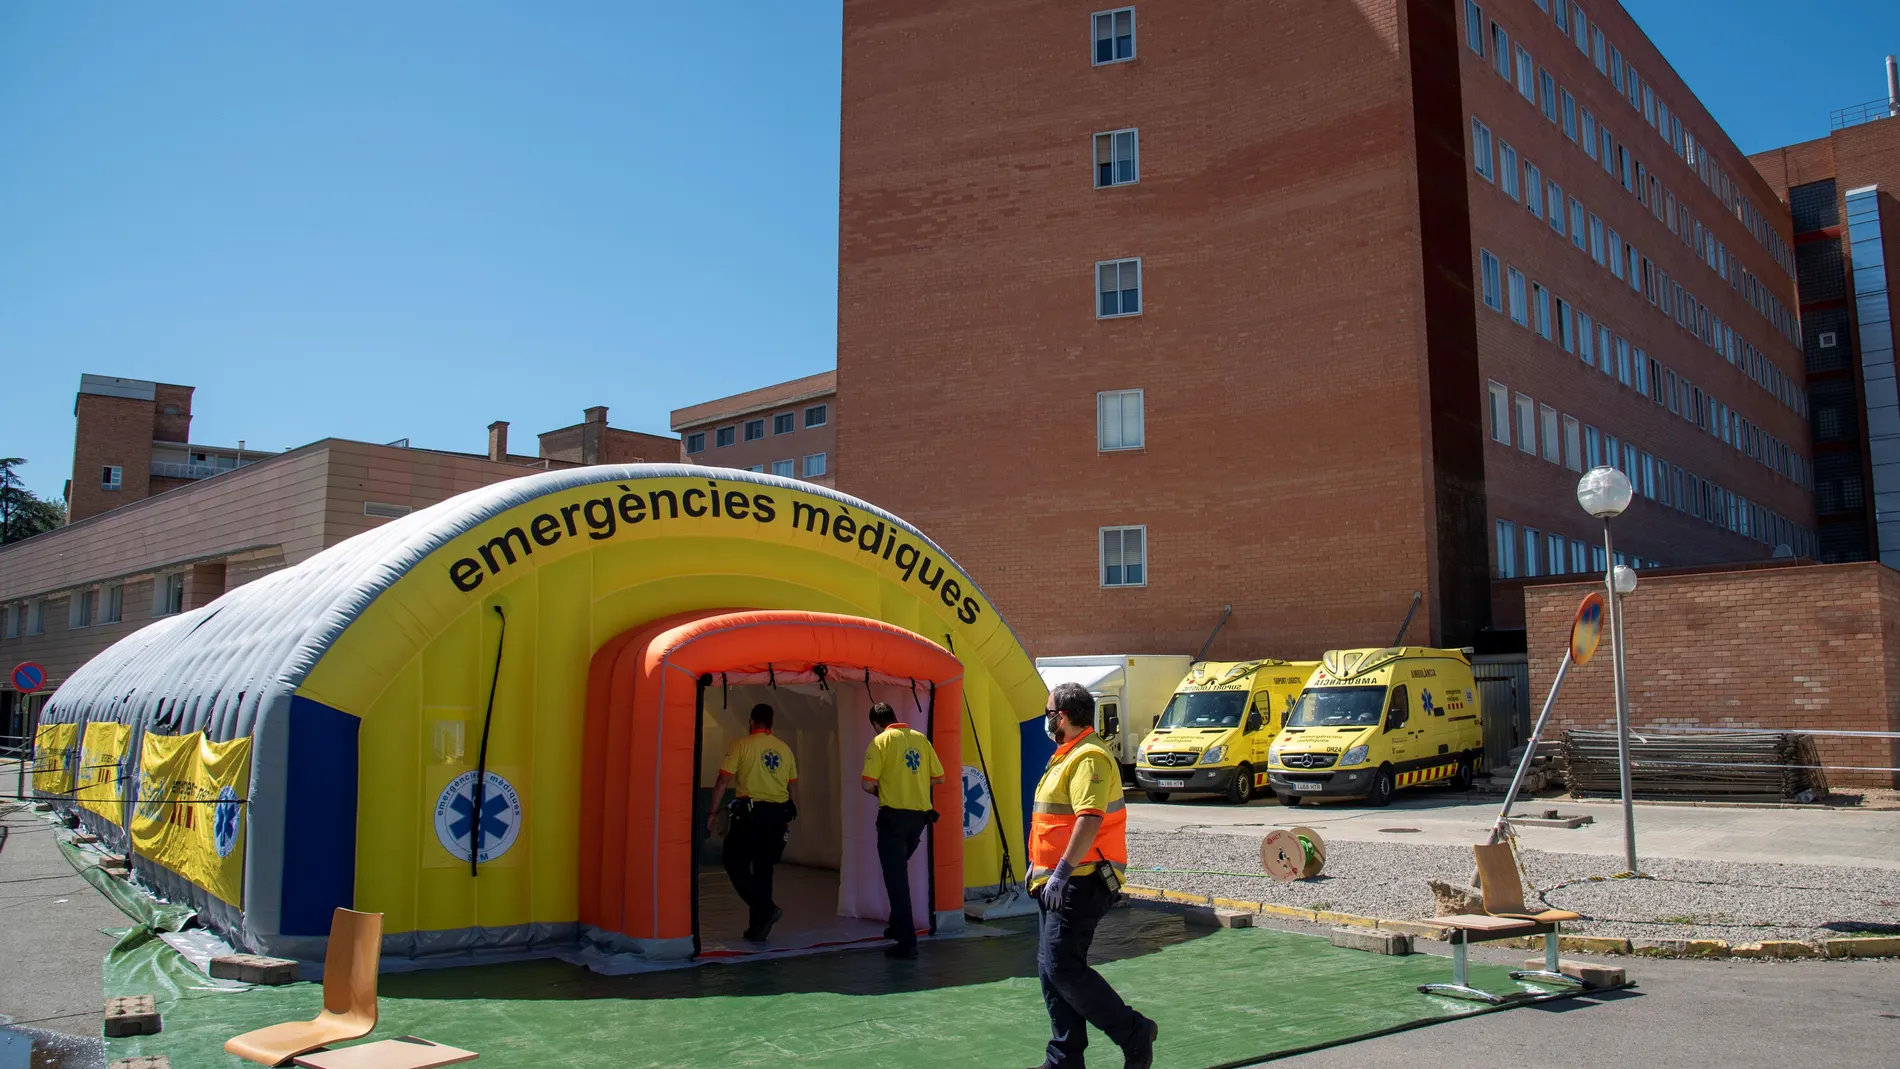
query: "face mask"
1050, 725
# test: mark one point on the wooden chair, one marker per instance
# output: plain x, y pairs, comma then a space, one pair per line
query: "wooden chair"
349, 995
1505, 917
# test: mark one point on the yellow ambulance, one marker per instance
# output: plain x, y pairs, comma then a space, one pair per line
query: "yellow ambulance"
1213, 736
1372, 721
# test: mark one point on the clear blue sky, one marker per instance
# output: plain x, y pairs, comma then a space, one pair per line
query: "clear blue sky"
380, 221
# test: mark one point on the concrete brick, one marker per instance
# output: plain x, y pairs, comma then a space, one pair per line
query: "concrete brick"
1878, 947
1594, 976
85, 838
1593, 944
1682, 948
131, 1015
254, 969
1773, 948
1373, 940
143, 1061
1209, 917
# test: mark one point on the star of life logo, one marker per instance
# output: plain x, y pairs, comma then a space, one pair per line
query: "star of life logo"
462, 834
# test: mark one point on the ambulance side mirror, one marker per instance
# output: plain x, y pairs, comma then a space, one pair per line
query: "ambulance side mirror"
1253, 721
1111, 720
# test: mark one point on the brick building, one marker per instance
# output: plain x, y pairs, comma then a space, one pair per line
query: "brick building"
69, 593
788, 429
1152, 310
1772, 647
132, 440
1840, 189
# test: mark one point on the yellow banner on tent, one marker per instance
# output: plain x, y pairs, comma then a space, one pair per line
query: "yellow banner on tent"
55, 752
99, 783
191, 807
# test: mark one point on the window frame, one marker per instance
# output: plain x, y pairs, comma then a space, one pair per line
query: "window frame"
1101, 550
1134, 46
112, 603
1134, 157
1499, 406
1118, 264
789, 419
1525, 410
1491, 280
1102, 398
691, 448
1550, 432
789, 464
1573, 443
752, 425
725, 437
824, 465
112, 477
824, 416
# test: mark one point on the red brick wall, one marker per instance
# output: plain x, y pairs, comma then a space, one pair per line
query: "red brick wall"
1282, 344
1806, 646
116, 431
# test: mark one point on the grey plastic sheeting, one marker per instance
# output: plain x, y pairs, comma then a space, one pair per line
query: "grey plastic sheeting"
229, 669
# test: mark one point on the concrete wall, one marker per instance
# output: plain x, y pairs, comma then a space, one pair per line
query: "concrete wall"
1798, 646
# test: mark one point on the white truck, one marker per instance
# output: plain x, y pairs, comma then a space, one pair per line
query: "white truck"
1130, 689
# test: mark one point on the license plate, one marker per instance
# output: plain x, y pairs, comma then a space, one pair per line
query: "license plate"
1298, 786
1177, 783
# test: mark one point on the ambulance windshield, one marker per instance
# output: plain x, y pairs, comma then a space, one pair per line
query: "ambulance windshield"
1218, 709
1327, 707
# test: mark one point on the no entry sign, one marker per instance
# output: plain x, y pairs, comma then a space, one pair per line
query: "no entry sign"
28, 677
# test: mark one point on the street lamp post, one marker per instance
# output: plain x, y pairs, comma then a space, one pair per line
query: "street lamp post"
1604, 493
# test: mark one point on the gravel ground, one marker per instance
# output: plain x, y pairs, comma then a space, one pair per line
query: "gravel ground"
1740, 903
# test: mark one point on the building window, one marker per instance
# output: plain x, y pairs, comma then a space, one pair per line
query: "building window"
1623, 360
1507, 549
1531, 541
1118, 288
1562, 14
1526, 425
1125, 556
1507, 170
1500, 413
112, 603
1481, 153
79, 608
1474, 27
817, 416
724, 436
1599, 561
168, 594
1520, 297
1552, 447
1554, 196
1647, 485
1554, 554
1598, 250
760, 468
784, 423
1578, 233
1501, 51
36, 617
1533, 189
1573, 444
1114, 35
1493, 290
11, 616
1586, 339
1570, 114
1605, 359
1608, 147
1541, 298
1547, 93
787, 468
754, 429
1526, 80
1566, 332
1616, 253
1592, 447
696, 442
1599, 52
111, 477
1115, 159
1118, 420
1589, 141
814, 465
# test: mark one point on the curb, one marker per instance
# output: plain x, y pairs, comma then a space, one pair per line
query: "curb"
1859, 947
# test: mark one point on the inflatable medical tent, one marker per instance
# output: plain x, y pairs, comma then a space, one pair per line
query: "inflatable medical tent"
493, 720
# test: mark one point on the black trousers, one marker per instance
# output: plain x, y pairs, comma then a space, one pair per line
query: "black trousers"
754, 843
1076, 994
898, 833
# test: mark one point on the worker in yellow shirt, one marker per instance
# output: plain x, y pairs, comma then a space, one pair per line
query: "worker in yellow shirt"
1078, 850
900, 768
763, 771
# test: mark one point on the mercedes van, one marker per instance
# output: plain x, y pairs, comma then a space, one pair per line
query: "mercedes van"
1213, 736
1372, 721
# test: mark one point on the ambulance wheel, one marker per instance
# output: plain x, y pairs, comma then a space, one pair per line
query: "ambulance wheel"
1288, 799
1381, 789
1239, 791
1157, 796
1461, 779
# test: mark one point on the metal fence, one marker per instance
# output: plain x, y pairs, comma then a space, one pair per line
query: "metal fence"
1842, 118
1504, 685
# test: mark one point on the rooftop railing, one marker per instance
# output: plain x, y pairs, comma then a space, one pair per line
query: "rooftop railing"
1871, 111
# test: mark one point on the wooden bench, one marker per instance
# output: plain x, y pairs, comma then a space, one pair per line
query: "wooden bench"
1504, 917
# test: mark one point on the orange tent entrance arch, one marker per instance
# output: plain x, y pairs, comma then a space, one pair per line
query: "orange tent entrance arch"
646, 692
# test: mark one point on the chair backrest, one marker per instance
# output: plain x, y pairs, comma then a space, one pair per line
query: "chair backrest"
1498, 879
350, 963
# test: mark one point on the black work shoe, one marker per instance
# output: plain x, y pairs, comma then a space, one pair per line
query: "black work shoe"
765, 933
905, 953
1141, 1055
750, 935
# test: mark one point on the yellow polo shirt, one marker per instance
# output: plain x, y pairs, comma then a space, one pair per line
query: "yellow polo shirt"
761, 767
902, 763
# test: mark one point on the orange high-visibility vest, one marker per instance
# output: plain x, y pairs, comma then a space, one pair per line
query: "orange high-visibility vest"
1058, 804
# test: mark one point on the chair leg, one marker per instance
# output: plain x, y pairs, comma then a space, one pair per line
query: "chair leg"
1552, 972
1459, 988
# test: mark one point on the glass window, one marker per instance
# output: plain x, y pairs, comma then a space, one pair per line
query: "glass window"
815, 465
1547, 93
1526, 425
1578, 235
1589, 140
1598, 250
79, 608
1599, 50
1586, 338
1573, 444
1541, 298
1578, 553
1553, 448
1623, 360
754, 429
1118, 419
696, 442
1474, 27
112, 477
1501, 51
1507, 549
1500, 413
725, 436
784, 422
1532, 541
1115, 158
1520, 297
1592, 446
1533, 189
1616, 68
787, 468
1481, 153
1554, 197
1604, 357
1125, 556
168, 594
1554, 554
1493, 293
1566, 333
1114, 35
1507, 170
816, 415
36, 617
1526, 76
112, 603
1570, 114
1118, 288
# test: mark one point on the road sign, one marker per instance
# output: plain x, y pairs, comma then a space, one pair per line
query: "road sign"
28, 677
1587, 631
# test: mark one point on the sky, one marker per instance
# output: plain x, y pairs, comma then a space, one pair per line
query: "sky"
386, 221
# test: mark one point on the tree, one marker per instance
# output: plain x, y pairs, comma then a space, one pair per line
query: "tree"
23, 514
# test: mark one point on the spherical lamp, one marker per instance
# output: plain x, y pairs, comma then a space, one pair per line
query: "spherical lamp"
1604, 492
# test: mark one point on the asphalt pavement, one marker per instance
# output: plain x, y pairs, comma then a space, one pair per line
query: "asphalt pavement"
51, 946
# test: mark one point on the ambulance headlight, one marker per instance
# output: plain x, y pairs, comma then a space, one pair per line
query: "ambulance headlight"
1214, 755
1273, 754
1354, 756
